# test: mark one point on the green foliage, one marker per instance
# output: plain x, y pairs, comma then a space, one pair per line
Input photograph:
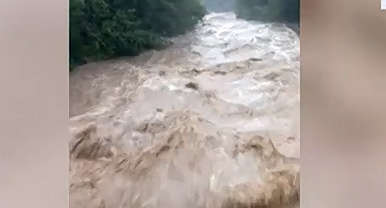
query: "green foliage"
219, 5
287, 11
102, 29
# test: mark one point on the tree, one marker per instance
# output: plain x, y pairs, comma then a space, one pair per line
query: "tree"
103, 29
287, 11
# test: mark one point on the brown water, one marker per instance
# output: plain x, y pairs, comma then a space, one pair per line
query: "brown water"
212, 121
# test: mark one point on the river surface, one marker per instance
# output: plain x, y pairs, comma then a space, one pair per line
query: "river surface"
212, 121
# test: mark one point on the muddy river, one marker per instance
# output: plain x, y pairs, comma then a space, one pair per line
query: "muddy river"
212, 121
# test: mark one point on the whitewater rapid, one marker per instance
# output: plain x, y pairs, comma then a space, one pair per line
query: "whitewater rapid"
229, 79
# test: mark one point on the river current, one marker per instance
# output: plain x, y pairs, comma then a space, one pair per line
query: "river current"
212, 121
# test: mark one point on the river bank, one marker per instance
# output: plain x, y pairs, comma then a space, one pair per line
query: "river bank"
294, 26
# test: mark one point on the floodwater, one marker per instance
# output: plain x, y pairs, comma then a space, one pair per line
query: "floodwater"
212, 121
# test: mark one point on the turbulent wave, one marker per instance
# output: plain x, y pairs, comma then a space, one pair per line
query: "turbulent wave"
212, 121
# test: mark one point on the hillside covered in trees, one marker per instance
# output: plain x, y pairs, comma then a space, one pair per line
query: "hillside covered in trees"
286, 11
103, 29
219, 5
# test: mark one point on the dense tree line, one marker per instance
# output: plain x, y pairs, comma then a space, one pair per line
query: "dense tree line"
102, 29
287, 11
219, 5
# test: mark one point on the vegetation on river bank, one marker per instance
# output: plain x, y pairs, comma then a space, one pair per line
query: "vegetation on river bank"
219, 5
103, 29
285, 11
